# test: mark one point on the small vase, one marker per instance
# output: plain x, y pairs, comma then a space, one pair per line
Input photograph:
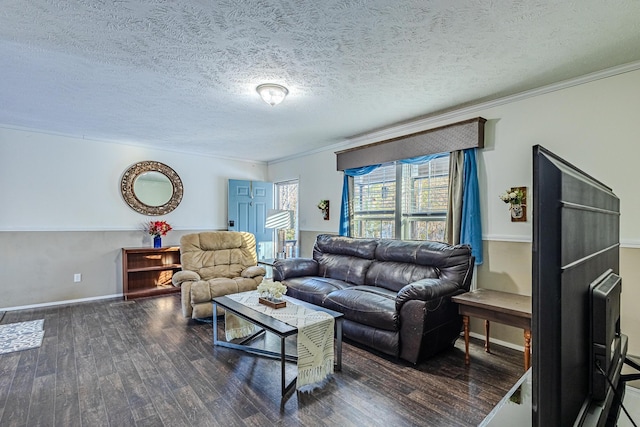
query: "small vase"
157, 241
325, 214
516, 211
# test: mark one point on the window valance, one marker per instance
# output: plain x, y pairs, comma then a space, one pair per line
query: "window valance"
444, 139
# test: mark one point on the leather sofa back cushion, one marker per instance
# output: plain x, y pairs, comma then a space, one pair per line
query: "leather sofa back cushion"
395, 275
342, 267
339, 245
448, 262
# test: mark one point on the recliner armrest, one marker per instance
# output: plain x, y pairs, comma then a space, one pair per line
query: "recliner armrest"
426, 290
184, 276
253, 271
294, 267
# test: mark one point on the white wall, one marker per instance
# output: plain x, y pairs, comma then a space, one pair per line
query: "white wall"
318, 180
62, 212
58, 183
592, 125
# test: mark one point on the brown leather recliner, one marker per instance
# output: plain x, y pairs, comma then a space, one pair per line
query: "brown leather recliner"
214, 264
395, 295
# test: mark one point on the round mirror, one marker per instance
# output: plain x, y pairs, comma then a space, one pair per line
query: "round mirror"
151, 188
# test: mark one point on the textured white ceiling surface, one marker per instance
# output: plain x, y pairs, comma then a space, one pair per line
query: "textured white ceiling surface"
181, 74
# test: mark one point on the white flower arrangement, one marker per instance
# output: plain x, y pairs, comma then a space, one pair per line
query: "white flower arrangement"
513, 196
269, 288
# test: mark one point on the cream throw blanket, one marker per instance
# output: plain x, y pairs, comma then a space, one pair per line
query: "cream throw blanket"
315, 334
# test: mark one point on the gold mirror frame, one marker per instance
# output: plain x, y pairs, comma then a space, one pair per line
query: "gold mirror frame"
129, 178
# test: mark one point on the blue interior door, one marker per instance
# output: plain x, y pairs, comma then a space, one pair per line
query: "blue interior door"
249, 202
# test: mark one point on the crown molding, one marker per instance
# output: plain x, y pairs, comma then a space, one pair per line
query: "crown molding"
464, 113
130, 144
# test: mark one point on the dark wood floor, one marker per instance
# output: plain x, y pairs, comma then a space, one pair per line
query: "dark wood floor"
140, 363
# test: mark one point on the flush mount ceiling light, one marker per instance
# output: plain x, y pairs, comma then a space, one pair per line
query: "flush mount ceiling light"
272, 94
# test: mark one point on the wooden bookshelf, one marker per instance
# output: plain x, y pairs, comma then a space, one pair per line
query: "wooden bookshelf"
148, 271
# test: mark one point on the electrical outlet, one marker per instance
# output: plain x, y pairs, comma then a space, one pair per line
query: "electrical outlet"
77, 277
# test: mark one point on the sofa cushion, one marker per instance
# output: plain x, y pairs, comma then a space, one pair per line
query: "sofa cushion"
396, 275
312, 289
346, 268
431, 260
387, 342
340, 245
369, 305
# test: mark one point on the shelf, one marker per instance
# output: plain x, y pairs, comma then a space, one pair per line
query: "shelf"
155, 268
148, 271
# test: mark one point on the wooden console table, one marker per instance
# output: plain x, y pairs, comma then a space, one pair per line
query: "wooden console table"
502, 307
148, 271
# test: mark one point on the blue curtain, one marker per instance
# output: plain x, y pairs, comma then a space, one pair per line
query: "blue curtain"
471, 228
345, 220
423, 159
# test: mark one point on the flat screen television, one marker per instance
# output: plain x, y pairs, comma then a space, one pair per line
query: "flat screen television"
575, 295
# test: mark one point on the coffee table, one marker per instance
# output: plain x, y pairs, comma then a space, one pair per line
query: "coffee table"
282, 330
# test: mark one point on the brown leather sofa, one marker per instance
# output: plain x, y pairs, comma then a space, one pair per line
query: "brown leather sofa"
395, 295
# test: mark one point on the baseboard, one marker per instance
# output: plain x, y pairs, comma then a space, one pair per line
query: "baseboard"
54, 303
497, 341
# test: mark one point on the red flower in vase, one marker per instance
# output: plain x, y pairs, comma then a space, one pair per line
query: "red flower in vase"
159, 228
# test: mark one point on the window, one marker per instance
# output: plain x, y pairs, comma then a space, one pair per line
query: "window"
287, 198
403, 200
374, 203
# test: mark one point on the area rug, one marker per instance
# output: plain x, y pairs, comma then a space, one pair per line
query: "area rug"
21, 336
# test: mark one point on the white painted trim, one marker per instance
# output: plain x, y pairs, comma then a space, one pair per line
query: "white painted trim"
632, 244
54, 303
102, 228
507, 238
461, 113
458, 114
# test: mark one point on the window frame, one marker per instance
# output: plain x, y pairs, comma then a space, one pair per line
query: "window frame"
403, 219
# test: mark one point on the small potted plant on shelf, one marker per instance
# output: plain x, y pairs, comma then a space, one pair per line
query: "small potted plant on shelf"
158, 229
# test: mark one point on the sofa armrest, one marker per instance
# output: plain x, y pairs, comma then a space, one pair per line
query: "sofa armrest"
184, 276
294, 267
426, 290
253, 271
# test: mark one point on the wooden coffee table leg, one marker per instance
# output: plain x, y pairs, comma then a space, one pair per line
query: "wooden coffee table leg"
486, 336
465, 322
527, 349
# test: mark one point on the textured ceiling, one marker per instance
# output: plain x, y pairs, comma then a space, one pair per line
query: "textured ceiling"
181, 74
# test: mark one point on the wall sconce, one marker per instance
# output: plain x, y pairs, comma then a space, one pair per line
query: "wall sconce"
272, 94
324, 207
516, 198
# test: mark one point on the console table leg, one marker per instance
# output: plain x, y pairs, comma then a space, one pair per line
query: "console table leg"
527, 349
486, 336
338, 344
465, 322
